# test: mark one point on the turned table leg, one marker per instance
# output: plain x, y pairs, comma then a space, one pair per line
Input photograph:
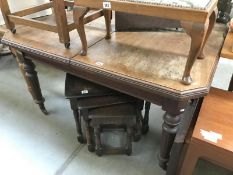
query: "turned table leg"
199, 33
78, 14
27, 68
172, 119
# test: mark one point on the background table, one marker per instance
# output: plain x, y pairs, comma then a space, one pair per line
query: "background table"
141, 64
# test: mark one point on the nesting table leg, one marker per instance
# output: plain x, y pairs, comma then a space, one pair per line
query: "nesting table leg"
78, 126
145, 123
78, 14
129, 140
98, 149
169, 130
27, 68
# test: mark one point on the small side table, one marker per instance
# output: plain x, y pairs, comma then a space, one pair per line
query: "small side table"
196, 18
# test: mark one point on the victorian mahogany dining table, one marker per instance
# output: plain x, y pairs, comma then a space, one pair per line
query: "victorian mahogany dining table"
145, 67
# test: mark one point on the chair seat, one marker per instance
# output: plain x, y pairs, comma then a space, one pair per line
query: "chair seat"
192, 4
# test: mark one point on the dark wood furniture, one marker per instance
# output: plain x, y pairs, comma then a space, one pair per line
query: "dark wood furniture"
85, 96
143, 69
212, 139
224, 10
198, 21
123, 116
60, 23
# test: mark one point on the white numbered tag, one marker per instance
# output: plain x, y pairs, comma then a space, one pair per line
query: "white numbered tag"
85, 91
106, 5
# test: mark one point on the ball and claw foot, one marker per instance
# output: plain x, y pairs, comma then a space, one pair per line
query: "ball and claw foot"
81, 140
99, 152
91, 148
187, 80
145, 129
67, 45
83, 53
13, 30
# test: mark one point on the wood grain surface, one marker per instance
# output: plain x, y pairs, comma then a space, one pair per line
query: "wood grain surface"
153, 58
46, 43
152, 61
217, 115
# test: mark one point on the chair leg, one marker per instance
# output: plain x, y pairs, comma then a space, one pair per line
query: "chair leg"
145, 123
197, 32
78, 14
98, 149
61, 21
212, 20
5, 12
107, 16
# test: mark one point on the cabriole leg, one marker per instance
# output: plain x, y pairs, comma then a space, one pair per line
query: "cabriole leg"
197, 32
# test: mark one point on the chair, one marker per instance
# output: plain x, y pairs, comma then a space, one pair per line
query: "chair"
212, 139
60, 24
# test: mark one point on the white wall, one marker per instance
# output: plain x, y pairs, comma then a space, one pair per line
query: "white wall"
16, 5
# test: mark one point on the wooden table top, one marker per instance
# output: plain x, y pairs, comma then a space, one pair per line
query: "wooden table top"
154, 61
227, 47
